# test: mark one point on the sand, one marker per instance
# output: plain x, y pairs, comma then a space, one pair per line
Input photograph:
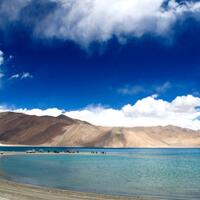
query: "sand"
14, 191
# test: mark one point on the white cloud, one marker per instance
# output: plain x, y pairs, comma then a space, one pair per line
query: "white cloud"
185, 104
3, 108
38, 112
15, 76
100, 20
148, 111
183, 111
85, 21
23, 75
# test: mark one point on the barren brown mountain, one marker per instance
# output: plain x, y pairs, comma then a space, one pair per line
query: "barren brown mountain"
16, 128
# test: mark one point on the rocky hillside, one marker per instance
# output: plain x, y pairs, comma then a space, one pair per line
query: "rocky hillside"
16, 128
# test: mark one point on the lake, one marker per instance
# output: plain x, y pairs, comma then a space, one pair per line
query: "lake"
152, 173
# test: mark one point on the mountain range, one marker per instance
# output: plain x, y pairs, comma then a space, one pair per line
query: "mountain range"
22, 129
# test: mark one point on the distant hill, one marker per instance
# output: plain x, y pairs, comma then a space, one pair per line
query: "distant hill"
17, 128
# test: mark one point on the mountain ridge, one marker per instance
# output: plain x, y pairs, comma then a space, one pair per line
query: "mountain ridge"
22, 129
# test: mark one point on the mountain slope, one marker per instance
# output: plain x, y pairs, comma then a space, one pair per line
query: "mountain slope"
16, 128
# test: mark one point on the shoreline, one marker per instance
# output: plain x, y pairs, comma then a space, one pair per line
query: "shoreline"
15, 153
10, 190
104, 147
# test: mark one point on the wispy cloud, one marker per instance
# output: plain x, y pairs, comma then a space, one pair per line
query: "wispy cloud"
141, 89
131, 90
25, 75
21, 76
97, 20
163, 88
1, 63
15, 76
1, 58
1, 76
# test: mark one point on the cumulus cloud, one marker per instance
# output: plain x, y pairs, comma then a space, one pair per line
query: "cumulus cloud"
23, 75
100, 20
97, 20
39, 112
183, 111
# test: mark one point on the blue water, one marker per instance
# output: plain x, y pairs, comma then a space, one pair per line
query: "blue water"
152, 173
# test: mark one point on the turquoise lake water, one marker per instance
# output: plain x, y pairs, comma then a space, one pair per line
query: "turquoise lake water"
152, 173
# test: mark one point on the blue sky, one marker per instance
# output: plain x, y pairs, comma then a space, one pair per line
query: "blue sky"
70, 54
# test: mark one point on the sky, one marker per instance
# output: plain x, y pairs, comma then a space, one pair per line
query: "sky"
112, 63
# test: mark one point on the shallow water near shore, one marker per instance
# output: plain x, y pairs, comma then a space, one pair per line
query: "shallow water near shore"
152, 173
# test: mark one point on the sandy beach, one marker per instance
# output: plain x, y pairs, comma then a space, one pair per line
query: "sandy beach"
14, 191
